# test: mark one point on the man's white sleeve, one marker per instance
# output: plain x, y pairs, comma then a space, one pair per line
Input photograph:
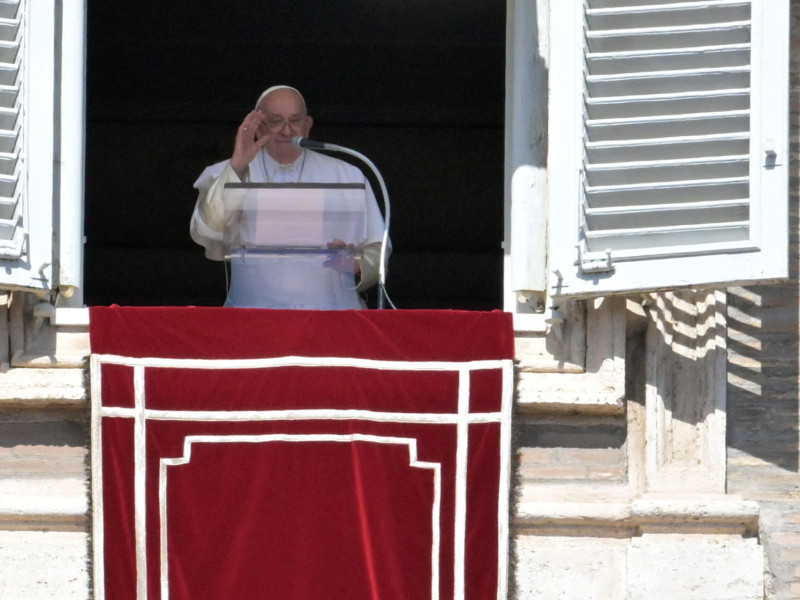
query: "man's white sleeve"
208, 216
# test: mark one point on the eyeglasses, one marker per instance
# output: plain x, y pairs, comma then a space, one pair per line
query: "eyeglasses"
295, 123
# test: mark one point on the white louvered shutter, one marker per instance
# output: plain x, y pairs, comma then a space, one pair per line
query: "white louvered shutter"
27, 143
12, 235
668, 143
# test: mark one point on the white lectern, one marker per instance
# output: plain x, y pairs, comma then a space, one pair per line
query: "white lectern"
293, 246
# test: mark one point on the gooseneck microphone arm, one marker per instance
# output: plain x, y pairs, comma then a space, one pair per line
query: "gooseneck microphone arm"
302, 142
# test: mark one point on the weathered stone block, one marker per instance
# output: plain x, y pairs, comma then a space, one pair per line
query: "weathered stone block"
694, 567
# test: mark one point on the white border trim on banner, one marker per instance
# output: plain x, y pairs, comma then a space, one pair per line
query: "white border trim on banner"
281, 437
461, 419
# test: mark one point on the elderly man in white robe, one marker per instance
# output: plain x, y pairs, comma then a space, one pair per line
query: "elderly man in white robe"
264, 152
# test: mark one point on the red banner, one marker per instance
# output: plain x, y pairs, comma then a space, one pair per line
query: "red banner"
300, 454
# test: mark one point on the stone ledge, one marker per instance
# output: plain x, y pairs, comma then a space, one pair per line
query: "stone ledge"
611, 514
570, 393
43, 388
43, 522
50, 503
642, 514
734, 511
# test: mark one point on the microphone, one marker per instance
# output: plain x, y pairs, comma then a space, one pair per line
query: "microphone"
301, 142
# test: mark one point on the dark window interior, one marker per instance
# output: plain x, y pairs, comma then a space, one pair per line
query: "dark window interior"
417, 86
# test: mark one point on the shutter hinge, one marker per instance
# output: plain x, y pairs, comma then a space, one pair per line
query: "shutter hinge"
593, 263
773, 154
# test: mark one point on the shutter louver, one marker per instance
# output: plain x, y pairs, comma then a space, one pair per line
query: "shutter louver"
12, 232
666, 161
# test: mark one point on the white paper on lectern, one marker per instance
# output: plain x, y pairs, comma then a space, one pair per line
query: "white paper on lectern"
270, 216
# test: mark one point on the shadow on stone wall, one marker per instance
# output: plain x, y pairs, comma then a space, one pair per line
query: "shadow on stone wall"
763, 356
763, 373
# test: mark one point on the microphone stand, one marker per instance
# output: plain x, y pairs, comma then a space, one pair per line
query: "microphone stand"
302, 142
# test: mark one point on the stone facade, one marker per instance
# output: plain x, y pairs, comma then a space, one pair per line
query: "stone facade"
657, 444
44, 539
689, 489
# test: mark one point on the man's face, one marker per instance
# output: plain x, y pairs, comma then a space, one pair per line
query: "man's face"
284, 118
